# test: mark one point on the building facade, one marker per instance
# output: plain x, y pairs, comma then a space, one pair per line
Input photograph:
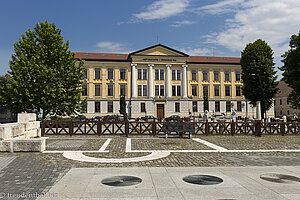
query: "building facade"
282, 106
162, 81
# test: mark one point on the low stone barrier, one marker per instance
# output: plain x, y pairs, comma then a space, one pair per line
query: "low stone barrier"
25, 135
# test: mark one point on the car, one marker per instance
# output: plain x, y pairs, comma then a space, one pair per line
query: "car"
148, 118
173, 118
98, 118
186, 119
109, 118
217, 116
81, 117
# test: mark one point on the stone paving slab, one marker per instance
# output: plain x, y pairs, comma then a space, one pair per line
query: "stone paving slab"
251, 142
167, 144
166, 183
4, 161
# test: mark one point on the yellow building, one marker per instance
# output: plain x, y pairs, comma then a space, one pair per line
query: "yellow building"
162, 81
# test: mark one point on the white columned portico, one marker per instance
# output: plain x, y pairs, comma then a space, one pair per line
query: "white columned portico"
184, 82
168, 81
133, 80
151, 80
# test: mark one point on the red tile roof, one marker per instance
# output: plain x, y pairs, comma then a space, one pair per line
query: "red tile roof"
124, 57
213, 59
284, 89
101, 56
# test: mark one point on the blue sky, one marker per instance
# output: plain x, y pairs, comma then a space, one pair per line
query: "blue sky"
196, 27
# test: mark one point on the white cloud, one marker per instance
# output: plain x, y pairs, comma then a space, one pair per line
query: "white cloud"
163, 9
177, 24
113, 47
196, 51
271, 20
221, 7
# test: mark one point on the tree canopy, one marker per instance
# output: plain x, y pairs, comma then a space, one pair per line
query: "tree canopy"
43, 74
258, 74
291, 70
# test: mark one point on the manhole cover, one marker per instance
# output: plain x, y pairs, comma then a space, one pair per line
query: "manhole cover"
121, 181
203, 179
279, 178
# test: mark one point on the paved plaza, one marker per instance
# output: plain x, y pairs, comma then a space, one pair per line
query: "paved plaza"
73, 168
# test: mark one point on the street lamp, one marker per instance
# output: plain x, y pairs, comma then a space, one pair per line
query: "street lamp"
263, 93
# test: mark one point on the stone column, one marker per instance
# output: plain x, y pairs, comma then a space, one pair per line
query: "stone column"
168, 82
258, 112
184, 82
151, 80
133, 80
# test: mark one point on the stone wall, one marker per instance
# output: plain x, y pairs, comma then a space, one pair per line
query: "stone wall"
25, 135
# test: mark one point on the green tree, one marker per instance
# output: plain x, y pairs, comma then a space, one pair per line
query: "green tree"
43, 74
291, 70
258, 74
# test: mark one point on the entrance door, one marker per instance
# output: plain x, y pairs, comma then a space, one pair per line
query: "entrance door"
160, 111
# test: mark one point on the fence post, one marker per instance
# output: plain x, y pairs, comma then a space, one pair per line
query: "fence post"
232, 128
154, 128
99, 127
282, 128
258, 128
206, 128
126, 127
71, 127
43, 127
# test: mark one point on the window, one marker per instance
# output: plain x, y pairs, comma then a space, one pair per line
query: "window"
85, 73
281, 112
177, 107
110, 90
239, 106
84, 90
194, 90
217, 90
97, 89
288, 112
194, 75
159, 90
216, 75
217, 106
275, 102
159, 74
237, 76
97, 106
143, 107
176, 74
227, 90
228, 106
238, 90
205, 90
123, 74
139, 74
122, 90
142, 90
110, 73
97, 73
110, 107
144, 74
195, 106
205, 75
280, 101
227, 76
176, 90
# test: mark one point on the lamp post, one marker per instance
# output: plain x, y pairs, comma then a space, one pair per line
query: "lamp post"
263, 93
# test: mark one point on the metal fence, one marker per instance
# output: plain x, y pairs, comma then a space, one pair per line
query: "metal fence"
92, 127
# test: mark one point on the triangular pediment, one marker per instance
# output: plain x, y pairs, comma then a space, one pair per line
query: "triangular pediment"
159, 50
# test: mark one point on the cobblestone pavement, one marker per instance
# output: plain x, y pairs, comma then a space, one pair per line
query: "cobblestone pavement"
25, 176
74, 144
252, 142
167, 144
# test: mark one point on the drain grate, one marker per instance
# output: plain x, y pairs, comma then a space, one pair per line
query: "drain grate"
203, 180
121, 181
279, 178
